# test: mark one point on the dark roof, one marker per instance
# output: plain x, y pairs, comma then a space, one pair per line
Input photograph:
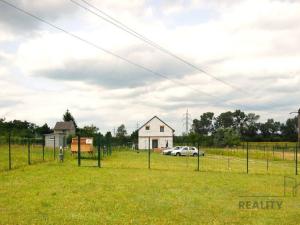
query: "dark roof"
160, 121
64, 125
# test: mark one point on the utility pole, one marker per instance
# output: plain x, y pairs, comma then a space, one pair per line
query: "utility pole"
186, 119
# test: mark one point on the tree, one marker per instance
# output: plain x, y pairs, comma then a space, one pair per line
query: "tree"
289, 129
193, 138
251, 127
134, 136
89, 131
45, 129
239, 120
108, 135
121, 131
205, 125
226, 137
224, 120
270, 130
69, 117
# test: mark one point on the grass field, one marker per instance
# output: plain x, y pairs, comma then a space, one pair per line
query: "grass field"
125, 191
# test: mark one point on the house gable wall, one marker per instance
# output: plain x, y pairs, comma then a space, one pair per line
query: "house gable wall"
154, 130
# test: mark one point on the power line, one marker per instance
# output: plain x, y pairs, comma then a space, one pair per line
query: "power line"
111, 53
134, 33
102, 49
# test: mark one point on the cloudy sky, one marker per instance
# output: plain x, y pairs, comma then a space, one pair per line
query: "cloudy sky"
252, 45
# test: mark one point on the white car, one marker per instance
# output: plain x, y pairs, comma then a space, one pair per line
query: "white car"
186, 150
168, 151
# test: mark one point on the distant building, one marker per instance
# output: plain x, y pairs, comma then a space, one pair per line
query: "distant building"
61, 131
67, 128
157, 132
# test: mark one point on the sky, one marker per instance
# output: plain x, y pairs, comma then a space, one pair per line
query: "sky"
251, 45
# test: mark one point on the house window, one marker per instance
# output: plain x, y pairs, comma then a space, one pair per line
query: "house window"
162, 129
147, 127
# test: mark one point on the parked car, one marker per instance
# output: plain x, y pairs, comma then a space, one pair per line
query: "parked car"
187, 151
168, 151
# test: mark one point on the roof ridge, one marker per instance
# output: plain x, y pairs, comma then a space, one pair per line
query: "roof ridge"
159, 120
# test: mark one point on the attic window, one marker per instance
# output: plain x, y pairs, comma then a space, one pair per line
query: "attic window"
162, 129
147, 127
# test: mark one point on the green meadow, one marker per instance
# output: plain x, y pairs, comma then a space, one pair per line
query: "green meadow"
125, 191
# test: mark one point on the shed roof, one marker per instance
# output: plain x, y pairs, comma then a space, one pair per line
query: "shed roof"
69, 125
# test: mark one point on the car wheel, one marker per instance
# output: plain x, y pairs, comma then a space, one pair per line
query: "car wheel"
195, 154
177, 154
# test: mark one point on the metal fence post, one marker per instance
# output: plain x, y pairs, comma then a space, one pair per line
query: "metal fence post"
28, 152
296, 161
9, 151
149, 153
99, 152
54, 147
78, 150
247, 158
64, 142
198, 155
43, 148
103, 151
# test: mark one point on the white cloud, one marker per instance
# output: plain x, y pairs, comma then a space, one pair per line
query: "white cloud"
247, 44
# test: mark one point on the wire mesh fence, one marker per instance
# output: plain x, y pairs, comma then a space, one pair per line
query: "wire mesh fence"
16, 152
250, 158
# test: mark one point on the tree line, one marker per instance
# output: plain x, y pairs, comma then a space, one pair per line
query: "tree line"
25, 129
226, 129
229, 128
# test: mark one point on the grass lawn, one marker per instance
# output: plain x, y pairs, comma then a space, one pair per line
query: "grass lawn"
125, 191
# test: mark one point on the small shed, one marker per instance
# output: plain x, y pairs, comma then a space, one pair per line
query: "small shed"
86, 145
55, 140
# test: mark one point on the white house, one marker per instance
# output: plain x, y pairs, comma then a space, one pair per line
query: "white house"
155, 133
